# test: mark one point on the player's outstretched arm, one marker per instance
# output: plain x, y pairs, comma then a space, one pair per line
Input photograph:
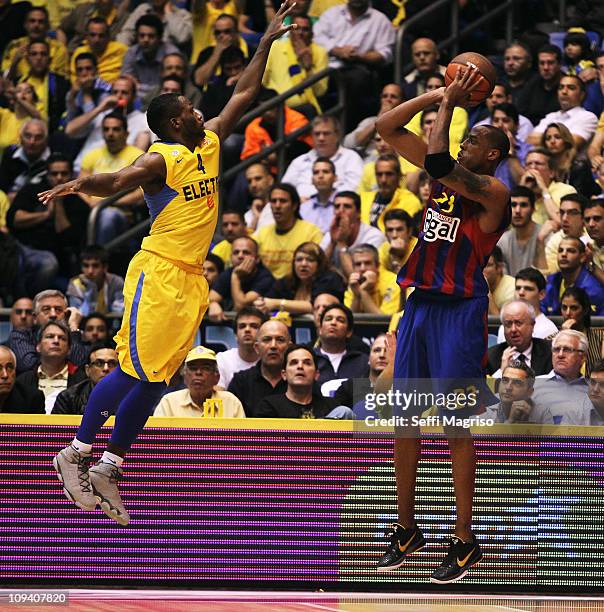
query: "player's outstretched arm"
248, 86
486, 190
148, 171
390, 125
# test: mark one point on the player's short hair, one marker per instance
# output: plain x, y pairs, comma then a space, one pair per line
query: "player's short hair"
498, 140
390, 158
533, 276
516, 364
152, 21
95, 251
57, 157
59, 324
86, 55
161, 109
344, 309
579, 198
351, 195
48, 293
217, 261
119, 116
520, 191
367, 248
398, 214
249, 311
297, 347
552, 49
325, 160
509, 109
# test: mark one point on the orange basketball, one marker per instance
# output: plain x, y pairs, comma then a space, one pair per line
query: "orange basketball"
486, 69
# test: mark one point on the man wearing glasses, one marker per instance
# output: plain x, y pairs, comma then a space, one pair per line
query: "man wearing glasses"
565, 386
48, 305
516, 404
101, 362
591, 410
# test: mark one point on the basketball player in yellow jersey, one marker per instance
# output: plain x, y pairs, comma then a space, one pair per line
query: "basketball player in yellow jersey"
165, 292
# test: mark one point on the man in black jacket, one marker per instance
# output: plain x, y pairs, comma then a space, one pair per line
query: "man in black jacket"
301, 400
14, 396
334, 358
518, 319
101, 362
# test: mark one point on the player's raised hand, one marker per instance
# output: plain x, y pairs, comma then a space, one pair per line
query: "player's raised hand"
276, 28
60, 190
464, 83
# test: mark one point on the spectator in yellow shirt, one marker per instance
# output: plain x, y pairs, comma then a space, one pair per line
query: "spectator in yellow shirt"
277, 242
22, 106
109, 53
390, 194
200, 399
371, 289
293, 60
36, 25
114, 155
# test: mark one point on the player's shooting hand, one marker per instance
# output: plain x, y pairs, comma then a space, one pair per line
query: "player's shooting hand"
60, 190
276, 28
465, 82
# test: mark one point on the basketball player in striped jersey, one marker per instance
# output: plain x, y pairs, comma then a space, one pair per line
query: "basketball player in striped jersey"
443, 332
166, 294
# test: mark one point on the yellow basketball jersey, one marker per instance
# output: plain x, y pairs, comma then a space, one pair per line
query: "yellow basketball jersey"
184, 213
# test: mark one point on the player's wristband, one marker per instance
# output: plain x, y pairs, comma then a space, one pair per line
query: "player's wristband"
438, 165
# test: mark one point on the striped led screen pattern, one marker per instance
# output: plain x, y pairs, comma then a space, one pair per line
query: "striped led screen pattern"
288, 506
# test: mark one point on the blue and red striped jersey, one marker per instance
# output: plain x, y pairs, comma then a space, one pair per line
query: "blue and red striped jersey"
451, 251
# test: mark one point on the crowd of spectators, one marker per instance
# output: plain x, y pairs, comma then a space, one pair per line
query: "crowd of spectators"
325, 239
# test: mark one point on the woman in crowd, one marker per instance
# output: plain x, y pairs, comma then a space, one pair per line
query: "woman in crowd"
575, 171
311, 275
576, 314
22, 100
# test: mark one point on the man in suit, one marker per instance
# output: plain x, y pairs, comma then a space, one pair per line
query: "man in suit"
518, 319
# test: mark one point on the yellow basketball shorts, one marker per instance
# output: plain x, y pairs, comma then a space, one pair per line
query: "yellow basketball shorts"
164, 306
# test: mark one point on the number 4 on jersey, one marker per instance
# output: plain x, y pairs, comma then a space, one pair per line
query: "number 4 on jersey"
200, 164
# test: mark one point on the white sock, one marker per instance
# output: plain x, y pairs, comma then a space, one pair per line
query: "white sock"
112, 459
81, 447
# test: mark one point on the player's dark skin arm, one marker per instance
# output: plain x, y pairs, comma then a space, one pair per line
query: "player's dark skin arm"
148, 172
248, 85
391, 124
481, 188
